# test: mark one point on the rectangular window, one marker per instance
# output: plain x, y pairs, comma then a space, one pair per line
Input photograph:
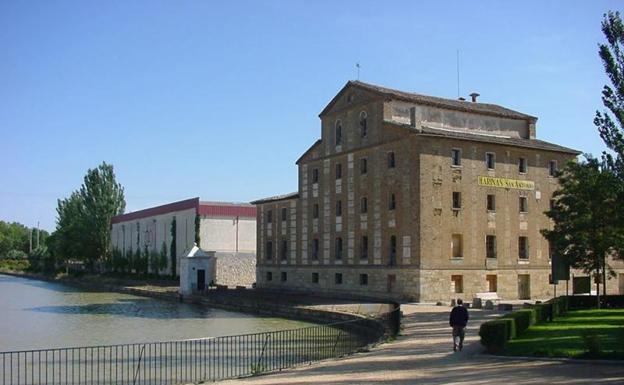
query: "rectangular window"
338, 279
552, 168
269, 276
269, 216
338, 248
457, 246
363, 166
269, 250
284, 214
456, 157
283, 276
391, 161
393, 251
490, 160
338, 208
552, 204
491, 202
391, 202
490, 246
315, 278
315, 175
456, 200
363, 205
338, 171
338, 134
364, 247
315, 211
363, 279
284, 250
523, 205
457, 283
523, 247
315, 248
551, 250
522, 165
492, 282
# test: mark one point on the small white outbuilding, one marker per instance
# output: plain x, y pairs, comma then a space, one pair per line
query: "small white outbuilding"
198, 269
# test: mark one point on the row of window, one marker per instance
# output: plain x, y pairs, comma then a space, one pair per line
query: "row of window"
363, 128
315, 278
456, 248
523, 203
269, 218
457, 283
490, 162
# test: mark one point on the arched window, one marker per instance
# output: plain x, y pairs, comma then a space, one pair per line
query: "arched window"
363, 124
338, 133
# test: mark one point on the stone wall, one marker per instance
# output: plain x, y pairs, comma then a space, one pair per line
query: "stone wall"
236, 269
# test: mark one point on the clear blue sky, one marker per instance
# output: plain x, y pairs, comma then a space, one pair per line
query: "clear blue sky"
218, 99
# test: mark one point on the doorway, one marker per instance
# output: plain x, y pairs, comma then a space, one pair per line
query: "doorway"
201, 279
524, 286
621, 283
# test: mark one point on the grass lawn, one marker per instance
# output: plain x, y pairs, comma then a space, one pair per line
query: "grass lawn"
566, 336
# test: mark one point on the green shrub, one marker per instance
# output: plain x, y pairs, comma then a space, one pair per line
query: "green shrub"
495, 334
543, 312
559, 305
522, 319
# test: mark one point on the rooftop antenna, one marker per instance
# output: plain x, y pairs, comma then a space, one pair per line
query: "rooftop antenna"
357, 65
457, 74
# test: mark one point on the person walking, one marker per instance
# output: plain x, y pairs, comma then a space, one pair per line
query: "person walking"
458, 321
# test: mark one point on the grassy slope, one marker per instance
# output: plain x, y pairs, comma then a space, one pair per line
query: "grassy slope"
564, 336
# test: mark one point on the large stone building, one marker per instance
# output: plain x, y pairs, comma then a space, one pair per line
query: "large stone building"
229, 229
415, 197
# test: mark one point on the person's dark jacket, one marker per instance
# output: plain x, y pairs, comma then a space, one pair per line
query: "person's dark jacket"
459, 316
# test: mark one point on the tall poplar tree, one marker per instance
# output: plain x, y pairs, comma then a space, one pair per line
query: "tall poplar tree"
610, 122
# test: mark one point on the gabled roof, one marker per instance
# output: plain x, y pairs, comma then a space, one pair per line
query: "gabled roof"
496, 139
308, 150
452, 104
276, 198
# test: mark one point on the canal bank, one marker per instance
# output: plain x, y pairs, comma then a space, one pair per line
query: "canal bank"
378, 318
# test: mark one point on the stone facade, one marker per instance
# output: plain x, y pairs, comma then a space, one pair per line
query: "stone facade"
374, 213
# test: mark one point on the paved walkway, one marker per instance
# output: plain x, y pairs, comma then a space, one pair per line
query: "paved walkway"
423, 355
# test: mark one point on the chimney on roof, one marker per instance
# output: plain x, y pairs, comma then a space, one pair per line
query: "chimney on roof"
461, 99
474, 97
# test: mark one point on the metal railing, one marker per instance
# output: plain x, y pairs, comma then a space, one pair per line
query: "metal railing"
193, 360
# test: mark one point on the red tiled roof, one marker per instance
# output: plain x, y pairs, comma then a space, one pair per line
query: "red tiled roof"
158, 210
219, 209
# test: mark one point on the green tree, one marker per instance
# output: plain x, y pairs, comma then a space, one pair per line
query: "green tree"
611, 123
162, 258
585, 230
70, 227
102, 198
173, 251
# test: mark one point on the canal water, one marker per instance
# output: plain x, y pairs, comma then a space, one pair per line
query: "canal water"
37, 315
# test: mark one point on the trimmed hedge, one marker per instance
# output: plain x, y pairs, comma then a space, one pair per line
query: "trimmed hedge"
560, 305
522, 320
495, 334
590, 302
543, 312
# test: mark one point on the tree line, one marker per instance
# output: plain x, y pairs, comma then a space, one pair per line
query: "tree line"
588, 208
18, 241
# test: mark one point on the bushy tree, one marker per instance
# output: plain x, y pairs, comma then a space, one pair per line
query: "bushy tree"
173, 251
610, 122
83, 219
162, 257
585, 228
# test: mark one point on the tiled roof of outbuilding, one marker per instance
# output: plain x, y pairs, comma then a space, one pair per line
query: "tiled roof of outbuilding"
465, 106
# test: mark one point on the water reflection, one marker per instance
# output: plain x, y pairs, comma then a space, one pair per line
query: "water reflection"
36, 314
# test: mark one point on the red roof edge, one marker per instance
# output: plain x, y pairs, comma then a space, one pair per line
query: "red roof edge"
158, 210
227, 210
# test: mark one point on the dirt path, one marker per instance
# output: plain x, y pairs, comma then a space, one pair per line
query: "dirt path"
423, 355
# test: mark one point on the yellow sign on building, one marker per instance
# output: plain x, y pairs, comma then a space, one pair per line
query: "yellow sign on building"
506, 183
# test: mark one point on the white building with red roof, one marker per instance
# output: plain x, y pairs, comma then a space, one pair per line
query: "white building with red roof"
228, 229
